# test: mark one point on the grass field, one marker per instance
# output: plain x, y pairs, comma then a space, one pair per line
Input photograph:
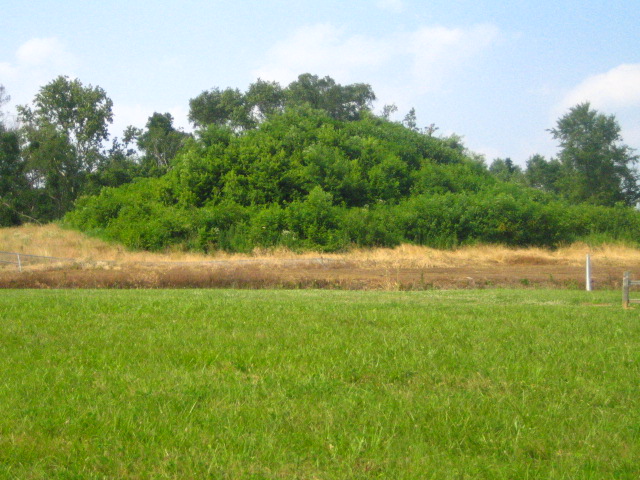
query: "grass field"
498, 384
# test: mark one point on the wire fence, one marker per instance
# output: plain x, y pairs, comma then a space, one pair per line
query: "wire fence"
627, 283
21, 260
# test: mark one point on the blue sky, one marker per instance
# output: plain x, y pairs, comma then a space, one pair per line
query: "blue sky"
497, 73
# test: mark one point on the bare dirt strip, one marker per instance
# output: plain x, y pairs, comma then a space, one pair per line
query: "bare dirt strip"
307, 273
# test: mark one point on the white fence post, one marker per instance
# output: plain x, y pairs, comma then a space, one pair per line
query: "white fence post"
626, 282
19, 263
588, 279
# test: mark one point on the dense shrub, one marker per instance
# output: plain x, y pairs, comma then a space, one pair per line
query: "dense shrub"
304, 180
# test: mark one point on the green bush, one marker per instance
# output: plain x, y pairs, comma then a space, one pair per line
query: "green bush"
307, 181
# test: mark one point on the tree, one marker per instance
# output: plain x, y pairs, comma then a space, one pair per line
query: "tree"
79, 113
388, 110
220, 107
411, 120
63, 132
341, 102
160, 143
121, 165
543, 174
596, 166
505, 170
13, 185
4, 99
12, 178
240, 111
264, 99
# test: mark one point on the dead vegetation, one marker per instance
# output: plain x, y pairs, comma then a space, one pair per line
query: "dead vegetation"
85, 262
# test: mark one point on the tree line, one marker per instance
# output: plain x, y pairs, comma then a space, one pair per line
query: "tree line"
309, 165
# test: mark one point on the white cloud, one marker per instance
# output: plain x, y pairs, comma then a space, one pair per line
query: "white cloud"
422, 60
618, 88
36, 62
318, 49
7, 71
396, 6
39, 52
631, 134
438, 51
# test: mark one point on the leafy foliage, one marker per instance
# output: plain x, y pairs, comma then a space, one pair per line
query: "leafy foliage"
596, 166
242, 111
307, 166
306, 180
62, 133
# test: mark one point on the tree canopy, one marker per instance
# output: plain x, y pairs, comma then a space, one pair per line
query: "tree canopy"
596, 167
306, 166
241, 111
63, 134
306, 180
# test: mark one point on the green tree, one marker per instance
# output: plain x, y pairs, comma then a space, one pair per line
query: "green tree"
388, 110
13, 185
121, 166
220, 107
504, 169
543, 174
4, 99
596, 166
341, 102
63, 132
411, 120
264, 99
80, 113
160, 142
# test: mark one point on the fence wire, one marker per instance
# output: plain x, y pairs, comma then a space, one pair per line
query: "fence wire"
21, 260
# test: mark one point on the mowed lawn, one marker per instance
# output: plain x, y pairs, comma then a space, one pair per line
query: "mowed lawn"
311, 384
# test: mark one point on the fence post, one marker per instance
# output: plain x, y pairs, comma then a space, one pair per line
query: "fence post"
588, 279
626, 281
19, 263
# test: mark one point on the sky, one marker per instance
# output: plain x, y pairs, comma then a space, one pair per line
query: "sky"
497, 73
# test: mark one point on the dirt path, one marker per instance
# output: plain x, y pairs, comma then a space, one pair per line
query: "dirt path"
307, 273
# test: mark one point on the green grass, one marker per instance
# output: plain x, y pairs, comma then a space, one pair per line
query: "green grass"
318, 384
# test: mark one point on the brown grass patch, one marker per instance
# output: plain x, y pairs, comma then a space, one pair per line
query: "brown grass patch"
95, 263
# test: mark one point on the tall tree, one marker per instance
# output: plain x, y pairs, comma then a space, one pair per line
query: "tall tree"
411, 120
12, 178
596, 166
80, 113
63, 133
13, 185
242, 111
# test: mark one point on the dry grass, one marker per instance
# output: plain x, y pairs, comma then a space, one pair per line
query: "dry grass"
96, 264
53, 241
412, 256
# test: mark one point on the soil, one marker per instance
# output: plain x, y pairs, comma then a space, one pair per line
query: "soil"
306, 273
